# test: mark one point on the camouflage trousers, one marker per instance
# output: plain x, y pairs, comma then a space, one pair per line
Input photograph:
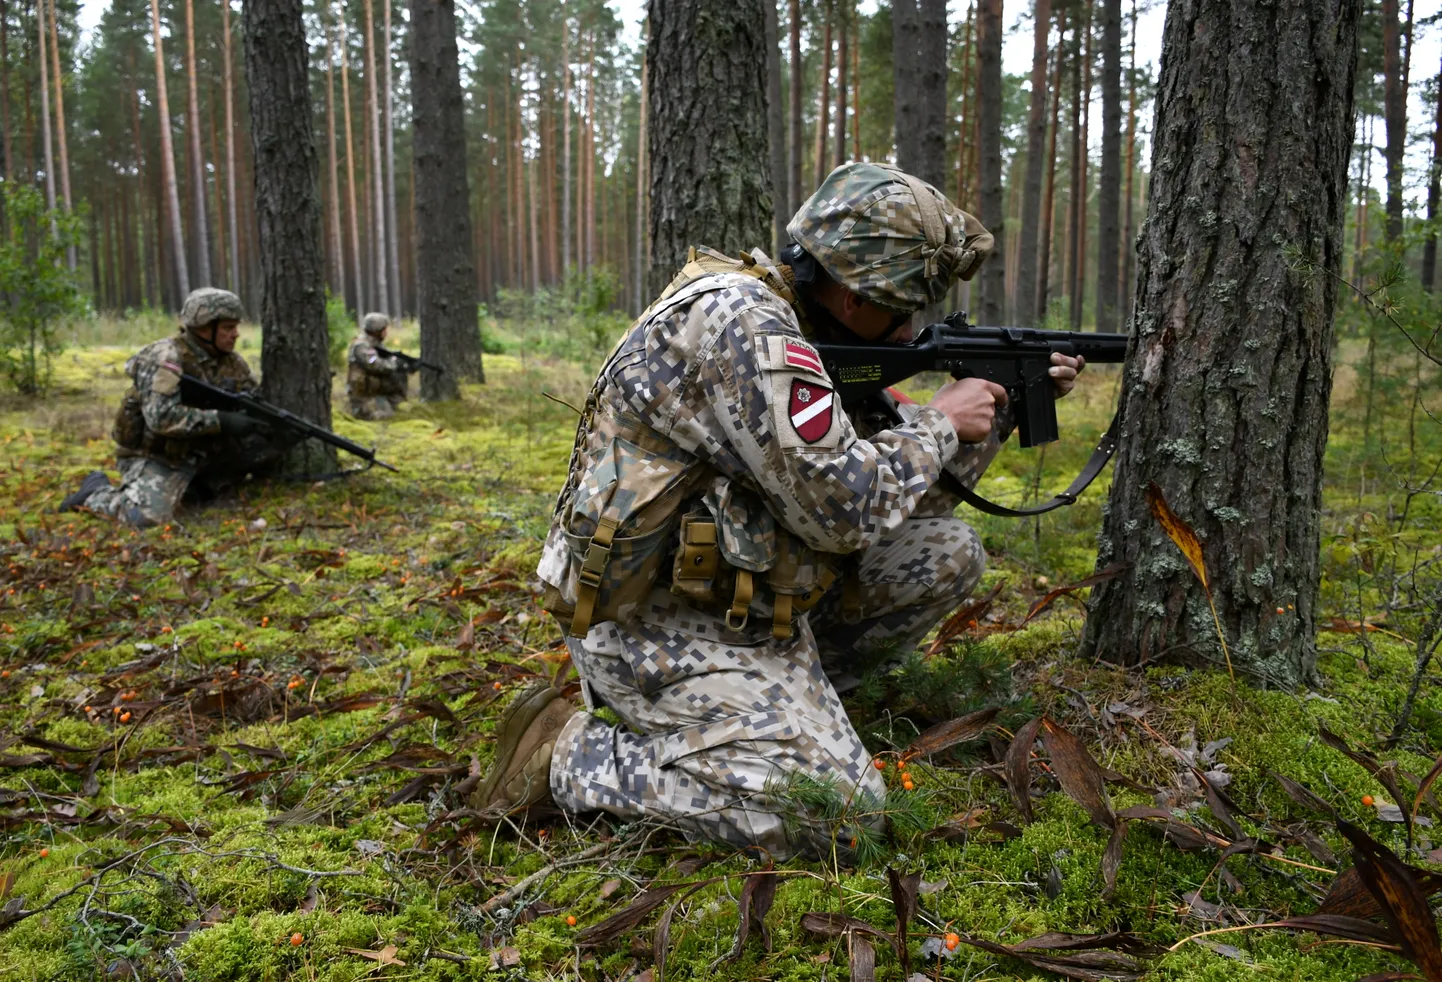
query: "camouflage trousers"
710, 724
150, 490
380, 398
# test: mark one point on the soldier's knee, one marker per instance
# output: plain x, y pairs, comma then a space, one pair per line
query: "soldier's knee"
958, 575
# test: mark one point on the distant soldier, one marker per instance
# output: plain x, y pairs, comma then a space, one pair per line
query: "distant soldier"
166, 447
376, 383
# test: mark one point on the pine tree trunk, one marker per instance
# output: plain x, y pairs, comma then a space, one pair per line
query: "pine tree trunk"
566, 139
905, 79
964, 149
381, 291
446, 278
992, 279
5, 143
709, 180
775, 134
794, 195
842, 57
295, 359
1124, 287
1434, 193
45, 110
337, 247
1026, 262
197, 162
1394, 102
1079, 280
590, 229
1048, 201
1109, 185
856, 150
1076, 190
60, 130
357, 275
1230, 340
167, 159
643, 166
393, 245
232, 226
823, 97
931, 83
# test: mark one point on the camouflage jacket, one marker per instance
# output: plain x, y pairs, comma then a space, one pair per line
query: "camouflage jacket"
365, 363
152, 421
720, 374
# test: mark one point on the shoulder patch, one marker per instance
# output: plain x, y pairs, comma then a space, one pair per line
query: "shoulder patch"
810, 407
792, 354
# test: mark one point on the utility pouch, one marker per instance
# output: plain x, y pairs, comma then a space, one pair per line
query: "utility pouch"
693, 573
128, 432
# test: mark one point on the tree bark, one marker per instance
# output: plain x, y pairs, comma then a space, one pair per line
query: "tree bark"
842, 57
642, 169
167, 159
446, 278
775, 131
794, 195
5, 141
61, 129
991, 309
566, 139
1048, 202
1226, 389
1124, 287
1394, 100
197, 161
823, 99
357, 275
337, 248
45, 109
393, 245
1434, 193
231, 223
295, 359
1109, 184
381, 292
1026, 262
707, 144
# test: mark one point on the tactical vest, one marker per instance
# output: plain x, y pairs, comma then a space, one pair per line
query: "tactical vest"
129, 430
634, 500
359, 382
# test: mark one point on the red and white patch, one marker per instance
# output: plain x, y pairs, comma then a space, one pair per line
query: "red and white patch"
798, 355
810, 409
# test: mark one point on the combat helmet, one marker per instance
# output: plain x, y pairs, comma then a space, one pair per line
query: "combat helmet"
888, 236
375, 323
209, 304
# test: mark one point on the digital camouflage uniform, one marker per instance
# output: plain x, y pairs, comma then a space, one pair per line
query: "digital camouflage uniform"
718, 380
376, 384
163, 445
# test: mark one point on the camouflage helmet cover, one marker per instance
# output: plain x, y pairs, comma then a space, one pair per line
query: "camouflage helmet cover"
207, 305
375, 323
889, 236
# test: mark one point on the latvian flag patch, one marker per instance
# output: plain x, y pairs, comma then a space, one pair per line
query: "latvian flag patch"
794, 354
810, 409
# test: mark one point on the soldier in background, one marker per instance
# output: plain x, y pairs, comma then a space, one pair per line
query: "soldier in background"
732, 549
166, 448
376, 383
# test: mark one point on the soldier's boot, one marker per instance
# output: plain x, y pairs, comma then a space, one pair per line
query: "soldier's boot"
93, 482
520, 775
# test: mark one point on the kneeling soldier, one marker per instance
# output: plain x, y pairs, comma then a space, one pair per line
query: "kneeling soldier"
376, 383
163, 445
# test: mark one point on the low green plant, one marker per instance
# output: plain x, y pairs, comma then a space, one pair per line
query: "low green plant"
37, 290
340, 328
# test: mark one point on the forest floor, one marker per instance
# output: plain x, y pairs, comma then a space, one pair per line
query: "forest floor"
236, 747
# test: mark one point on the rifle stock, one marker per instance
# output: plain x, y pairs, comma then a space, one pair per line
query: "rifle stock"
1016, 358
201, 394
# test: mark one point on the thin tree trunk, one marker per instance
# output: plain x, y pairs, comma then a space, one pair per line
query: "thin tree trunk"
993, 216
591, 155
60, 130
1079, 284
219, 214
295, 358
642, 169
856, 150
167, 159
381, 297
1434, 193
1109, 186
709, 179
905, 45
842, 57
1026, 262
1394, 103
1240, 330
446, 279
775, 134
566, 138
794, 164
931, 66
823, 109
337, 247
1364, 183
1124, 288
5, 144
357, 279
232, 225
964, 146
1048, 201
45, 111
1077, 191
393, 245
197, 161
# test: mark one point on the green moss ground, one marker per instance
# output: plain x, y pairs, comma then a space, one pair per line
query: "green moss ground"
304, 694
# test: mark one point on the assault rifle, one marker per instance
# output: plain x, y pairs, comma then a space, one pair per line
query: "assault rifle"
409, 362
201, 394
1016, 358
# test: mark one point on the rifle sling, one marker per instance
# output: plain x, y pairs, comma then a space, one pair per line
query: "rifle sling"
1094, 465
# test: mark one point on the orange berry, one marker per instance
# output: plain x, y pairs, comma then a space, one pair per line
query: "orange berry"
1367, 800
495, 685
952, 940
853, 842
265, 622
125, 717
908, 785
880, 765
571, 920
297, 939
44, 853
87, 709
1281, 610
5, 674
234, 673
166, 629
116, 710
